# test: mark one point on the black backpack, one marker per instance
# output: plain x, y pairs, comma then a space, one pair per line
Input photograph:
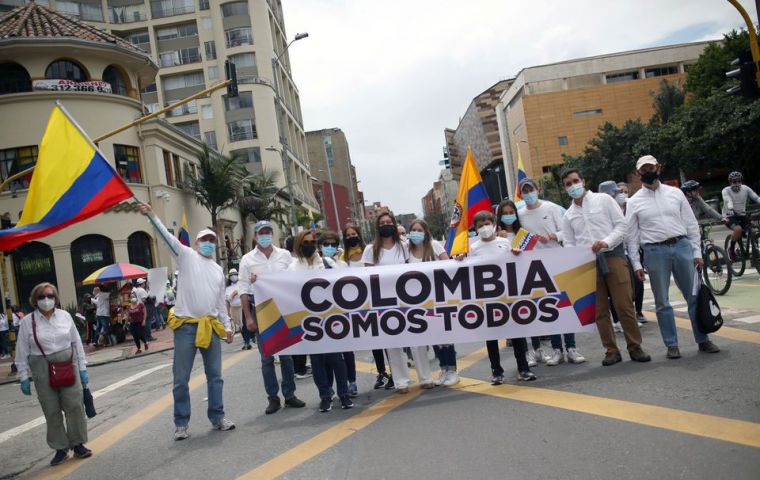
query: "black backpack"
709, 318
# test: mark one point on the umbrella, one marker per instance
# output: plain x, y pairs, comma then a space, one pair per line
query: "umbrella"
115, 272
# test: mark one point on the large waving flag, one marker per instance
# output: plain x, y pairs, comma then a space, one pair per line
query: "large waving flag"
313, 224
72, 182
520, 175
184, 232
471, 199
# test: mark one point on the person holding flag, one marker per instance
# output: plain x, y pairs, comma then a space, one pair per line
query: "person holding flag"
184, 232
472, 198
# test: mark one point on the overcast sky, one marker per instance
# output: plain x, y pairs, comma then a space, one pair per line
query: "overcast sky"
393, 74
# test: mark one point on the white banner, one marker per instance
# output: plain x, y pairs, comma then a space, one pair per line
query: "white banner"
71, 86
157, 283
540, 292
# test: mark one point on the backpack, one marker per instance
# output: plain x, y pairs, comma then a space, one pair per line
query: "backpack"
709, 319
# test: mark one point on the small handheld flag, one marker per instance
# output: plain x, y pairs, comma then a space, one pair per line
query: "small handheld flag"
471, 199
72, 182
184, 232
524, 240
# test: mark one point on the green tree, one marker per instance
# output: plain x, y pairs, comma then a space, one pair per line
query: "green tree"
303, 220
438, 224
259, 201
666, 101
551, 186
708, 75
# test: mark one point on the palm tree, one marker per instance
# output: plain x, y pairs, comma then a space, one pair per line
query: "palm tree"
259, 201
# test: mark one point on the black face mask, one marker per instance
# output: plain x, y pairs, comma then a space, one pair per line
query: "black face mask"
386, 231
352, 242
650, 177
308, 250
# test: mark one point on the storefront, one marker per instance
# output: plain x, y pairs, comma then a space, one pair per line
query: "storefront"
89, 253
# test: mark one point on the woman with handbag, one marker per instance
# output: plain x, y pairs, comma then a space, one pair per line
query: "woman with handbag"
48, 343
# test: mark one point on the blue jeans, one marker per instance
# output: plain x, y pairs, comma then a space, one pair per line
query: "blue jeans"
270, 377
447, 357
184, 356
661, 261
557, 341
350, 360
325, 367
104, 328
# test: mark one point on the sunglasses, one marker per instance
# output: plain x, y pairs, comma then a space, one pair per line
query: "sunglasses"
43, 297
330, 245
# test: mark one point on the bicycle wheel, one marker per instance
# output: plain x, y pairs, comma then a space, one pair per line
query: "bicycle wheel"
739, 264
716, 273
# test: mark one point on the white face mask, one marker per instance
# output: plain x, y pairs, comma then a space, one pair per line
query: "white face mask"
46, 304
486, 231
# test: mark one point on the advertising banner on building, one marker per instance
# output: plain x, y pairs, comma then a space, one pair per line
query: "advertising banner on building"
540, 292
61, 85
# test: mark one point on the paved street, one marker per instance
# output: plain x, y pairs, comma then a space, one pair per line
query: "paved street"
697, 417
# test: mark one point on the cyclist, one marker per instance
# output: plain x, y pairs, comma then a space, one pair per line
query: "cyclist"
735, 207
701, 209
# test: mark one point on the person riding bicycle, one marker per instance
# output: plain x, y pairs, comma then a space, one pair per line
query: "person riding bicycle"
735, 207
701, 209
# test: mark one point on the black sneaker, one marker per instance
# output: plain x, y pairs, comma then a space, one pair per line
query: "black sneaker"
294, 402
390, 385
708, 347
641, 318
346, 403
673, 353
325, 405
526, 376
380, 380
59, 457
274, 405
80, 451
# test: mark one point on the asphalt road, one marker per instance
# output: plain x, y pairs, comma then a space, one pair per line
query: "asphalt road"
694, 418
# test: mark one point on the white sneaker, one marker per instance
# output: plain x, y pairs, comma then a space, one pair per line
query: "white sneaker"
442, 377
616, 327
452, 378
224, 425
556, 358
181, 433
541, 356
530, 356
573, 356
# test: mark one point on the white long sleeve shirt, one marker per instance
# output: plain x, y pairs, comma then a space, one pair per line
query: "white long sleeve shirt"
55, 335
200, 284
257, 262
653, 216
302, 264
597, 218
103, 304
737, 201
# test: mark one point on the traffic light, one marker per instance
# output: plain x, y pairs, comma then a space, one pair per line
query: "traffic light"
231, 74
746, 75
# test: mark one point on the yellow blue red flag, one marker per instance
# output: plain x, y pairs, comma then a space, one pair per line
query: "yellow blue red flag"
471, 199
520, 175
72, 182
184, 231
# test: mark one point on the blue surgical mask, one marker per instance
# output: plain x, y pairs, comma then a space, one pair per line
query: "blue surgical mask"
417, 237
621, 198
530, 198
264, 240
329, 251
575, 190
206, 248
508, 219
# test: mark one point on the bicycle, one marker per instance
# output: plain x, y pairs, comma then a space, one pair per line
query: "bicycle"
715, 271
748, 248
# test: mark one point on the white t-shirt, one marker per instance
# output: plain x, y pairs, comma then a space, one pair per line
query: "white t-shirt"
232, 294
3, 323
393, 256
437, 251
497, 246
545, 219
140, 293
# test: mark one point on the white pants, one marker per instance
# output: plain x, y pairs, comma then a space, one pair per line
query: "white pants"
400, 371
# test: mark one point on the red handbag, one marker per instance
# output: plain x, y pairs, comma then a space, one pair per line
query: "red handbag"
60, 374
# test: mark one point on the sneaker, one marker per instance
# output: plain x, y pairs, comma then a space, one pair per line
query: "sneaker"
402, 390
274, 405
530, 356
59, 457
346, 403
611, 358
325, 405
526, 376
181, 433
248, 347
427, 386
673, 353
224, 425
390, 385
617, 328
452, 378
245, 347
353, 390
497, 379
640, 324
541, 356
639, 355
556, 358
574, 356
442, 377
708, 347
380, 380
641, 318
295, 402
301, 376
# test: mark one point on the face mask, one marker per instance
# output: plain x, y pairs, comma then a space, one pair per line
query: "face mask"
308, 250
575, 190
329, 251
621, 198
206, 249
46, 304
264, 240
352, 242
736, 188
233, 278
508, 218
530, 198
471, 234
649, 177
386, 231
486, 231
133, 301
417, 237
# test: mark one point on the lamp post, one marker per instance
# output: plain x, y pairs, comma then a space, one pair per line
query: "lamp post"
332, 187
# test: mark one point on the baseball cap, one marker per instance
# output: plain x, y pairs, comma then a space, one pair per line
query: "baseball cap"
233, 271
528, 181
140, 281
262, 224
204, 232
609, 187
646, 160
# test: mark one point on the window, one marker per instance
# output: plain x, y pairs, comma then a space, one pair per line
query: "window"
139, 251
586, 113
180, 31
660, 71
15, 160
180, 57
210, 139
213, 73
167, 8
563, 141
241, 130
83, 11
235, 8
150, 88
244, 60
89, 253
238, 36
128, 163
249, 155
210, 50
33, 264
191, 128
128, 13
14, 78
177, 172
168, 168
207, 112
191, 169
152, 107
203, 5
138, 38
622, 77
113, 76
185, 109
182, 81
66, 70
243, 100
206, 23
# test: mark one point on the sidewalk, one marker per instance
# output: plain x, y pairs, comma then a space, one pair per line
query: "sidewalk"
100, 356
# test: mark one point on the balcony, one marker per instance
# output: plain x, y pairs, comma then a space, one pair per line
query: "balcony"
238, 36
171, 59
161, 12
186, 109
120, 16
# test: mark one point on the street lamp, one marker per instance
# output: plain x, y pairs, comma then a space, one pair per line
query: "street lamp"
332, 188
288, 184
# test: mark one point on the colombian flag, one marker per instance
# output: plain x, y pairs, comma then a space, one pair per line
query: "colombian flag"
524, 240
72, 182
520, 175
313, 224
471, 199
277, 332
184, 232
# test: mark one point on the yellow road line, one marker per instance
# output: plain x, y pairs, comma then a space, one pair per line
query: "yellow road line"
732, 333
121, 430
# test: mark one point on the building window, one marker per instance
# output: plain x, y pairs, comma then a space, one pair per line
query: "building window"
241, 130
177, 172
191, 169
622, 77
206, 23
203, 5
238, 36
128, 13
175, 82
180, 57
235, 8
33, 264
210, 139
113, 76
660, 71
128, 163
243, 100
15, 160
82, 11
207, 112
139, 251
66, 70
180, 31
210, 50
89, 253
246, 61
213, 73
138, 38
250, 156
546, 169
168, 168
14, 78
168, 8
562, 141
188, 108
586, 113
190, 128
150, 88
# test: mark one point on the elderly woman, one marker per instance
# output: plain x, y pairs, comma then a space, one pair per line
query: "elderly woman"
48, 335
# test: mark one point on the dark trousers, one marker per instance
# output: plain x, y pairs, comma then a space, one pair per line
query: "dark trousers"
379, 360
519, 347
638, 294
247, 337
350, 361
556, 341
447, 357
136, 329
328, 366
4, 342
299, 364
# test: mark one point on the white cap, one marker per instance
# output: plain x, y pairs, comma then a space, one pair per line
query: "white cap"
645, 160
204, 232
233, 271
140, 281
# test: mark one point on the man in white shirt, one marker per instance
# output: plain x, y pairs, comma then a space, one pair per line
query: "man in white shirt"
661, 221
595, 220
102, 300
267, 258
199, 320
735, 197
139, 291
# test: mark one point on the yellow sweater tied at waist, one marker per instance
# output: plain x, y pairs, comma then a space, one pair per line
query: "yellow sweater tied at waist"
206, 325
